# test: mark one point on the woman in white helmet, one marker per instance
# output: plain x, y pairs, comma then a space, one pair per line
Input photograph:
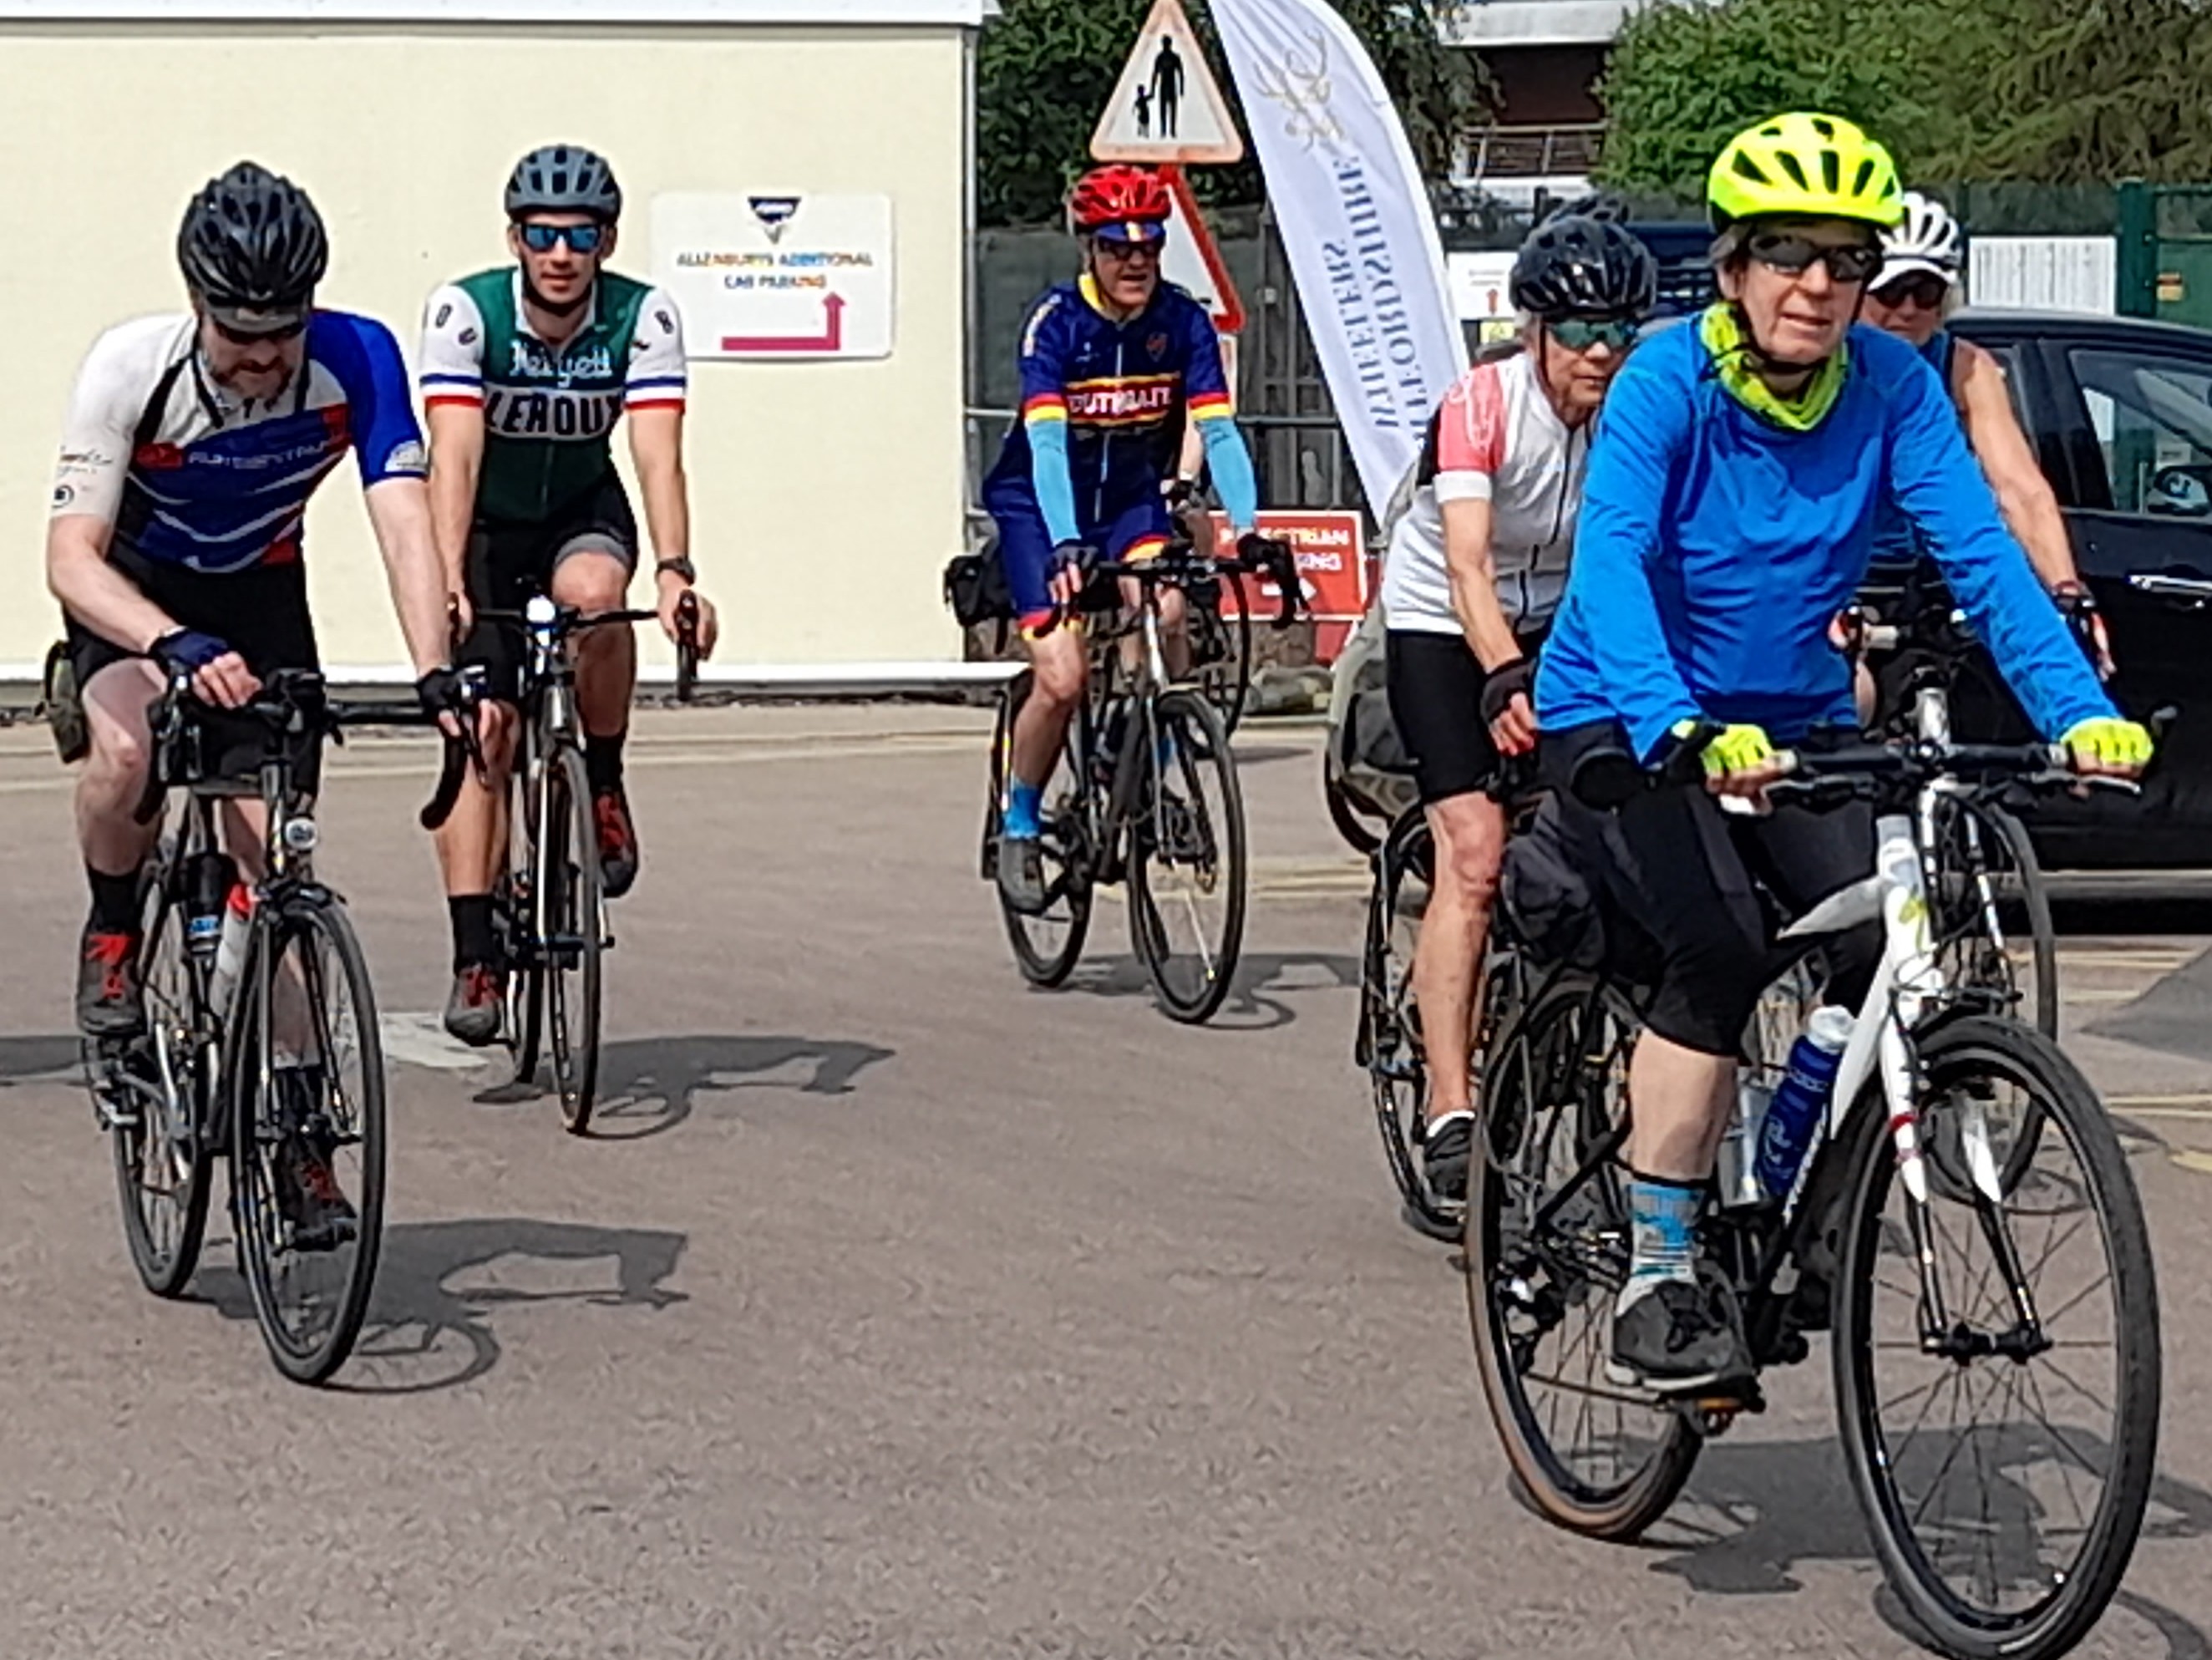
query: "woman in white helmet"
1915, 290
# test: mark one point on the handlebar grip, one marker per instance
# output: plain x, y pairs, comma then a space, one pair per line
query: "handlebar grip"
687, 645
440, 807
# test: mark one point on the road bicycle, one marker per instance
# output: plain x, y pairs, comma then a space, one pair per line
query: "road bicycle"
1966, 1226
1146, 791
260, 1043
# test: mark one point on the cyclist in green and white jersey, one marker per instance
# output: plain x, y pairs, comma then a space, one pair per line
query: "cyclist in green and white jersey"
525, 370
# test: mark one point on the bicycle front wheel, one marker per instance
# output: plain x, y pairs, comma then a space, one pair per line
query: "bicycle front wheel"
1187, 888
164, 1087
305, 1068
1548, 1252
1996, 1352
573, 937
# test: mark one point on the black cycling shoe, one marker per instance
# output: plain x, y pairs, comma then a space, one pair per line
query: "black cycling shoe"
111, 1001
1446, 1151
317, 1212
617, 835
476, 1005
1678, 1337
1021, 874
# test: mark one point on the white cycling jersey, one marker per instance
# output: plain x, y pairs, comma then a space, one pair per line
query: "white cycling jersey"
1495, 438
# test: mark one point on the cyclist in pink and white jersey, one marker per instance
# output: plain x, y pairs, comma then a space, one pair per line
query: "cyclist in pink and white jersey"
1474, 569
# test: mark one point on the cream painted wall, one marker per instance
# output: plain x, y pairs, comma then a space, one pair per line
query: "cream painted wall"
826, 496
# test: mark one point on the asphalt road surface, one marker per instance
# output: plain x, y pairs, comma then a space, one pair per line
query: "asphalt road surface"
901, 1311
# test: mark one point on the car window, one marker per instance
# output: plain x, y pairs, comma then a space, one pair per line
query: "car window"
2152, 413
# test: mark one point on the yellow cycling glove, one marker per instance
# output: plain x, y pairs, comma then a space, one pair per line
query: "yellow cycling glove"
1730, 750
2108, 741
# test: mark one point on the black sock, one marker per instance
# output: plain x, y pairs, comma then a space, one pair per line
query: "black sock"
473, 939
603, 761
114, 901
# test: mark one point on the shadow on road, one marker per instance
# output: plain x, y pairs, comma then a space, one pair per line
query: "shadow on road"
1249, 1007
1755, 1510
439, 1284
649, 1086
2174, 1016
40, 1060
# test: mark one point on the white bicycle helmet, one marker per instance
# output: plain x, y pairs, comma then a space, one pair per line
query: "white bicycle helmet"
1927, 239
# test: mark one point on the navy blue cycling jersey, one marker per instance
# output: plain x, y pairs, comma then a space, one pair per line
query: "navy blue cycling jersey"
189, 474
1119, 391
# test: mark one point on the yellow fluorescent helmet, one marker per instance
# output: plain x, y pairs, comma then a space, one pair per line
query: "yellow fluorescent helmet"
1806, 165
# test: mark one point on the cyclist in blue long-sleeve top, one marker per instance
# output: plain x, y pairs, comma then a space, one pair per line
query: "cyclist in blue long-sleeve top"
1729, 515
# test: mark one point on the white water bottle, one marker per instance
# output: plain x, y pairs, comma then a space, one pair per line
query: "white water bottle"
230, 948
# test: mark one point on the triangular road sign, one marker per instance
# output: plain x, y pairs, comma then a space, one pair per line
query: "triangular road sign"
1192, 259
1167, 105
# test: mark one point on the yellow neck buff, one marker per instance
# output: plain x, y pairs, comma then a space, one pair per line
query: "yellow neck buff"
1725, 337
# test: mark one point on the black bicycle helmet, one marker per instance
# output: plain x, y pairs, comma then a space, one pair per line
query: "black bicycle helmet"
252, 248
1593, 204
1583, 267
564, 179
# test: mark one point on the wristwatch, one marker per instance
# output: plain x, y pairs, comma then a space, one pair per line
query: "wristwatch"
681, 567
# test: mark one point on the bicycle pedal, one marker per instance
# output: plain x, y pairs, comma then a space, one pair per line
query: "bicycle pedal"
110, 1115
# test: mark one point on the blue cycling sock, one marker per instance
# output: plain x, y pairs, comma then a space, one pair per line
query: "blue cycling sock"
1662, 1217
1023, 801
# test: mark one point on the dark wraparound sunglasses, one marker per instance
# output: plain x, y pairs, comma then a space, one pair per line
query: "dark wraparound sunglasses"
1581, 333
581, 239
1923, 288
1793, 256
256, 336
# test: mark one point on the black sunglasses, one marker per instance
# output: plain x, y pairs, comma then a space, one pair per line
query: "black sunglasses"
1854, 262
1924, 289
256, 337
582, 238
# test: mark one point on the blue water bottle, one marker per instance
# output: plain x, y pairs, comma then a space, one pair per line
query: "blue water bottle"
1793, 1118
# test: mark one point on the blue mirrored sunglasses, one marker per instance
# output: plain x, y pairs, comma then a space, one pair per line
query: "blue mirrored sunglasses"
581, 239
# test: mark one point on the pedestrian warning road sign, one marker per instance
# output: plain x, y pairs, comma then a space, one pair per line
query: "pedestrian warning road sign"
1167, 105
1192, 258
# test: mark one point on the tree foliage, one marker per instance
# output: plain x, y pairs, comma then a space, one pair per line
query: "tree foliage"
2054, 91
1045, 69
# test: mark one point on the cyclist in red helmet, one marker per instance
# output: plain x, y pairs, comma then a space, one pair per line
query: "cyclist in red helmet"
1112, 365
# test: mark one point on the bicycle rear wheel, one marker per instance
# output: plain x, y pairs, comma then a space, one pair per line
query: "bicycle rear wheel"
164, 1085
514, 913
1187, 879
1989, 911
1221, 650
573, 937
1390, 1043
1594, 1458
2003, 1449
1047, 946
305, 1069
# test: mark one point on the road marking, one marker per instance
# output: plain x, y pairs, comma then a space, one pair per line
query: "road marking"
420, 1040
2163, 1106
2199, 1162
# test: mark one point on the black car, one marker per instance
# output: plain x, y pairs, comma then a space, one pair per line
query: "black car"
2119, 410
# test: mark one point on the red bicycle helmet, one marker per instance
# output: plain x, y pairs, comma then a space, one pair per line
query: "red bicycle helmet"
1120, 202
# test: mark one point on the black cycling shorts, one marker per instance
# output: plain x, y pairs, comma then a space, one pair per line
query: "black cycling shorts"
260, 612
1700, 881
508, 562
1434, 682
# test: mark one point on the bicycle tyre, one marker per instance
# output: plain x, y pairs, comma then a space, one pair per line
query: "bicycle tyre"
1200, 747
1045, 962
256, 1122
1966, 1048
1228, 678
574, 939
165, 1268
1968, 826
1543, 1067
522, 1018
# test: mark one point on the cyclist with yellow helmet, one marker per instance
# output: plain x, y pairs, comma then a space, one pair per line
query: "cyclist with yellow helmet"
1728, 514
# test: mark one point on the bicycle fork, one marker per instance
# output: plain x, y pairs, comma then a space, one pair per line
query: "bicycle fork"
1907, 980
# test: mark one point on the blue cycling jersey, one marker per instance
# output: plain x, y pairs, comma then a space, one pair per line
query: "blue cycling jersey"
191, 475
1103, 404
1715, 549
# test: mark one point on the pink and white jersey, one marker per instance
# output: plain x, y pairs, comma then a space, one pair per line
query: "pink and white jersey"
1496, 438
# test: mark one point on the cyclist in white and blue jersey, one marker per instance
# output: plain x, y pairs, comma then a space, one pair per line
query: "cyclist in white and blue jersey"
191, 444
